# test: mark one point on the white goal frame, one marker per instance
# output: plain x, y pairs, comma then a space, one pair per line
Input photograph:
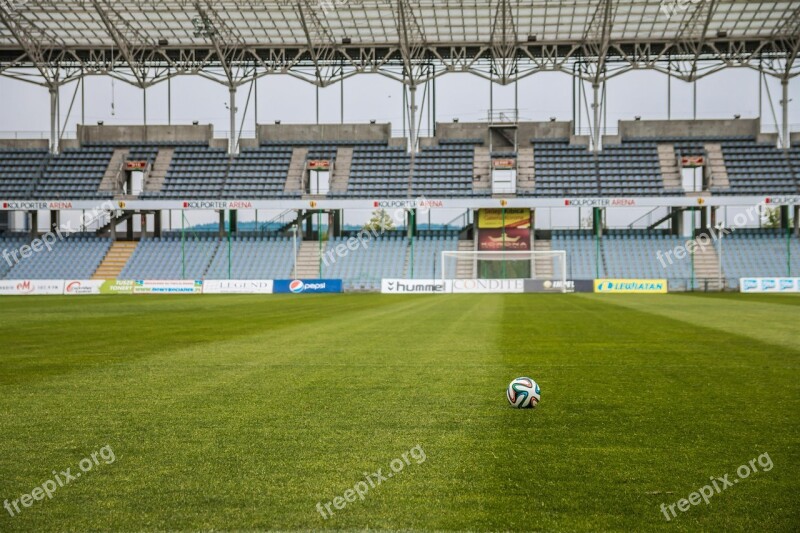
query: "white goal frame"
476, 256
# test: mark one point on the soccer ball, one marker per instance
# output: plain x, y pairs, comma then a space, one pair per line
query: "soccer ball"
523, 393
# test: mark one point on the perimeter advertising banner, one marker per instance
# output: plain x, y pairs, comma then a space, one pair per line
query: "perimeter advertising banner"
578, 285
237, 286
77, 287
413, 286
769, 284
479, 286
298, 286
21, 287
517, 217
631, 286
168, 286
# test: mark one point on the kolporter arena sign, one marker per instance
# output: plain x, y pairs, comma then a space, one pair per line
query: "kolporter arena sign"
652, 286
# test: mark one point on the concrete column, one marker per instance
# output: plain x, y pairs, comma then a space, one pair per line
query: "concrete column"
704, 217
157, 224
677, 221
55, 217
34, 229
797, 221
310, 227
597, 221
129, 228
221, 214
233, 216
143, 224
784, 217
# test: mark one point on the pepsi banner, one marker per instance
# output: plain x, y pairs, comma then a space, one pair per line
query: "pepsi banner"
301, 286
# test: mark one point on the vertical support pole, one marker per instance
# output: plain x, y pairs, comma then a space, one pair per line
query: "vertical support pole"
183, 246
255, 114
405, 109
169, 100
83, 100
412, 229
232, 149
760, 92
412, 114
596, 121
144, 111
319, 240
573, 101
669, 90
317, 103
53, 119
433, 105
341, 99
491, 101
694, 107
786, 144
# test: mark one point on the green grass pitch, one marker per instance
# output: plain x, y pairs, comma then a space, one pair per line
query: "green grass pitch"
245, 412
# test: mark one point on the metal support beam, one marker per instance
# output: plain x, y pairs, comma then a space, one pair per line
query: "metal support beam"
53, 119
232, 144
596, 141
785, 137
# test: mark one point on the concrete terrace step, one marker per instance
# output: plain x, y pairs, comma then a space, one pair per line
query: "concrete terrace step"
115, 260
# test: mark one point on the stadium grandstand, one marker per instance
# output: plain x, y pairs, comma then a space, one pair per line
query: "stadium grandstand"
399, 265
638, 192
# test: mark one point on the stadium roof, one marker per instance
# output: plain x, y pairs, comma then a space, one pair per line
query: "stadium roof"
323, 41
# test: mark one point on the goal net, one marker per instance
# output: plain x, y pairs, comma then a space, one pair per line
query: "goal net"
546, 266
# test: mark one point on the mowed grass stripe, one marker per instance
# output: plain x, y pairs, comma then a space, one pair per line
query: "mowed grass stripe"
769, 321
251, 428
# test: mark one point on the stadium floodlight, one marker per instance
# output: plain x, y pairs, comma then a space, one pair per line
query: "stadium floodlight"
546, 266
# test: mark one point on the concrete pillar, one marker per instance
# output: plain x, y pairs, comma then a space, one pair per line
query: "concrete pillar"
129, 228
34, 228
597, 221
233, 216
221, 214
55, 217
143, 224
784, 217
310, 227
797, 221
704, 217
677, 221
157, 224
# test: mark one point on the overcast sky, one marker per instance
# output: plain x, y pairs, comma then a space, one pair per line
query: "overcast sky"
372, 96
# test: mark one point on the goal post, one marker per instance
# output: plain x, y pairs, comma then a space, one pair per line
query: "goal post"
546, 266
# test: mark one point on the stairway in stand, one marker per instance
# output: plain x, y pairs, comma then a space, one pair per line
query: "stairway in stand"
114, 261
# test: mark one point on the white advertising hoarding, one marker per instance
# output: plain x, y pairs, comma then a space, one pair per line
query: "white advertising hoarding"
16, 287
237, 286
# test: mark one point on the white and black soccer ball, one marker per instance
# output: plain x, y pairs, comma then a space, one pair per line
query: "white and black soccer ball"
523, 393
